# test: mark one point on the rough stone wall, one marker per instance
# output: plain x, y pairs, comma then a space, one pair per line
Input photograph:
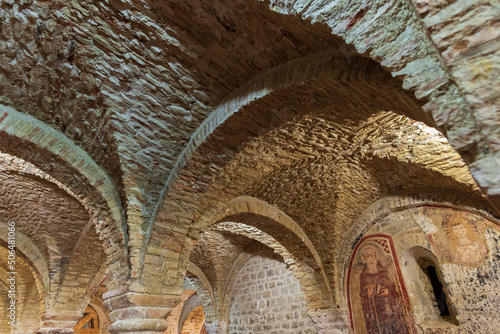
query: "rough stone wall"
267, 299
467, 35
128, 83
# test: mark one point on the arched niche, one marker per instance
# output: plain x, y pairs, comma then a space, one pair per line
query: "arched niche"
464, 259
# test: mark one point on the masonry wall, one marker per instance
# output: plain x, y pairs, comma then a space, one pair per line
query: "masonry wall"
266, 298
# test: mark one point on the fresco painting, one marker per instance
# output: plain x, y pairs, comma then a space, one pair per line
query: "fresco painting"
375, 289
459, 237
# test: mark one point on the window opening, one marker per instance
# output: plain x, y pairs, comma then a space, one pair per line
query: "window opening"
437, 287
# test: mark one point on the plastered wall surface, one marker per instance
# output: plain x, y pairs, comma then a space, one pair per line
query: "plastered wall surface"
463, 247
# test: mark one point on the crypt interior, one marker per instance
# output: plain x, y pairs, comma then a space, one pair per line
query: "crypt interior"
249, 166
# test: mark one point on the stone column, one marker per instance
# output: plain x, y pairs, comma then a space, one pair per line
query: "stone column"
138, 312
60, 323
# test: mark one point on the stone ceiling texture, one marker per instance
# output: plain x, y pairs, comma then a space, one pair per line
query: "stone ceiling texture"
128, 127
325, 185
51, 218
59, 255
216, 252
30, 301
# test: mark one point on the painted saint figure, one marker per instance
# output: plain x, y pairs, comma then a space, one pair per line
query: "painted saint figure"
382, 305
467, 251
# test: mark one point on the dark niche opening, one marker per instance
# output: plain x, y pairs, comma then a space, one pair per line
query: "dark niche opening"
439, 293
435, 287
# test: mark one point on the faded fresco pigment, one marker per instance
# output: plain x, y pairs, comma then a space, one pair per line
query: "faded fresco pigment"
376, 289
149, 148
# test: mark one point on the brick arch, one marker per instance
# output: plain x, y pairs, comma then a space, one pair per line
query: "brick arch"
301, 254
316, 290
335, 64
28, 255
405, 37
51, 285
20, 128
270, 220
27, 292
103, 314
70, 272
393, 34
69, 168
401, 202
189, 306
238, 207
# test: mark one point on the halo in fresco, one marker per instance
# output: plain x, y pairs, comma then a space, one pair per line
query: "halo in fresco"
375, 289
460, 238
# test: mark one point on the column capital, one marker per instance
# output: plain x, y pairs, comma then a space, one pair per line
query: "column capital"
51, 323
138, 312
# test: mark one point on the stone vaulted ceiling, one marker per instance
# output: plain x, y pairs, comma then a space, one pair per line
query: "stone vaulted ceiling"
133, 131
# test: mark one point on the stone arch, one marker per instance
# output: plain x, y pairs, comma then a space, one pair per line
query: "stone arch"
103, 314
411, 43
271, 221
247, 204
205, 139
56, 274
205, 291
270, 226
70, 167
26, 290
189, 306
174, 318
323, 69
194, 321
69, 272
359, 25
23, 128
393, 34
316, 290
34, 270
330, 64
404, 50
30, 252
